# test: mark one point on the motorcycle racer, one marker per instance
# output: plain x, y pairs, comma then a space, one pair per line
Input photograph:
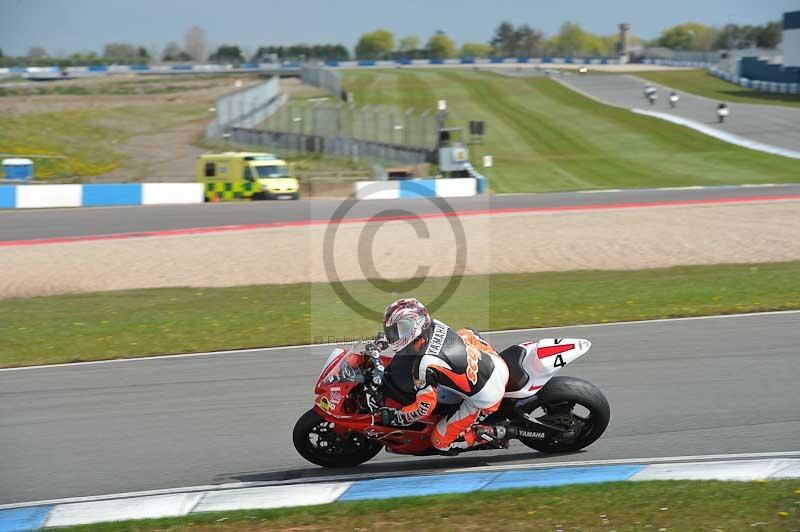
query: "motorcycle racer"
434, 360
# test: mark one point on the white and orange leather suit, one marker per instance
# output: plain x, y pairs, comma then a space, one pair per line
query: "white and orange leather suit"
452, 362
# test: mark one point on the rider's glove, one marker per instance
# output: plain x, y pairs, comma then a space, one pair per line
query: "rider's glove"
391, 417
381, 342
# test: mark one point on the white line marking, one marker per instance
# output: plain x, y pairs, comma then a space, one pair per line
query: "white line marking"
347, 478
308, 346
720, 134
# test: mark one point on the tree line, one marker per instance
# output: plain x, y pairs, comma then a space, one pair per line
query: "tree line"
508, 40
701, 38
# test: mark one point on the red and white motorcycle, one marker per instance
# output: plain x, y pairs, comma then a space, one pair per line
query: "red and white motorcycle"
551, 414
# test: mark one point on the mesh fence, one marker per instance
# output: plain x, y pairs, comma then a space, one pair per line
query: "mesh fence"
354, 149
325, 78
246, 108
370, 123
259, 116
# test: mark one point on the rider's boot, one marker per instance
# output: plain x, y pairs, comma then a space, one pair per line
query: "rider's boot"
494, 435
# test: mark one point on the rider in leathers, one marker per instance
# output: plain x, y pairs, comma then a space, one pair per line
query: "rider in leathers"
440, 360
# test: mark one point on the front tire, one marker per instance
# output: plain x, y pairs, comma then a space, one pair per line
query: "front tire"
316, 441
558, 401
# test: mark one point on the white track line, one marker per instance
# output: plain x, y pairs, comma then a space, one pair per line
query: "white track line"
724, 136
345, 478
308, 346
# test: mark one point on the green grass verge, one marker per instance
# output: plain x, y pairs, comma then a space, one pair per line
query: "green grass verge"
545, 137
622, 506
46, 330
87, 137
112, 89
704, 84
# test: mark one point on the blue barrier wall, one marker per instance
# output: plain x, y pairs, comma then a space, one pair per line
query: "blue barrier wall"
759, 69
112, 194
425, 188
8, 197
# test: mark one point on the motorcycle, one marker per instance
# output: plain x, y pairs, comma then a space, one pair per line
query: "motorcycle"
551, 414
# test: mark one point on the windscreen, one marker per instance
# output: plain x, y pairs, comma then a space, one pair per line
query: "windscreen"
272, 171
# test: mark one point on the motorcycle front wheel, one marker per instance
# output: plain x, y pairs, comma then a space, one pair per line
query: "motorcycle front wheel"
577, 407
316, 440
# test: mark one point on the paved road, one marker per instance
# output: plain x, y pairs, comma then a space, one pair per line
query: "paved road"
769, 124
687, 387
55, 223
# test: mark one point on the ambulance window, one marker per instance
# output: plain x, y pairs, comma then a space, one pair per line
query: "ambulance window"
248, 174
210, 170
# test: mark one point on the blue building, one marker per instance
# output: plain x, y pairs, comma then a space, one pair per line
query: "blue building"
787, 72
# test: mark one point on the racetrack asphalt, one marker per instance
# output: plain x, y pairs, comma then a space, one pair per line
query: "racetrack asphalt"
18, 225
768, 124
676, 387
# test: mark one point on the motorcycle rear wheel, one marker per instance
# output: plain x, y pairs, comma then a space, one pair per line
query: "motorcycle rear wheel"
316, 441
558, 400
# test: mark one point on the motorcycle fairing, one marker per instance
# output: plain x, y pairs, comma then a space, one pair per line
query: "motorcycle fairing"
544, 359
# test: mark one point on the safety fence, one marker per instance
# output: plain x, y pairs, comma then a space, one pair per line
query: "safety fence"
324, 78
246, 108
764, 86
367, 133
290, 68
382, 124
357, 150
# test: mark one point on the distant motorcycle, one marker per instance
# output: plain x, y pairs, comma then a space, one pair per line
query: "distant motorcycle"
552, 414
673, 100
722, 112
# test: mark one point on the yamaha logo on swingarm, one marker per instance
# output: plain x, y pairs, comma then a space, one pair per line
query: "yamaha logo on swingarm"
530, 434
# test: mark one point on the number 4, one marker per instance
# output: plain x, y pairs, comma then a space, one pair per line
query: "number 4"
559, 362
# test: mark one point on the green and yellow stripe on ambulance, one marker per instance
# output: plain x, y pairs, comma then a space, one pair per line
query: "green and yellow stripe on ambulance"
231, 190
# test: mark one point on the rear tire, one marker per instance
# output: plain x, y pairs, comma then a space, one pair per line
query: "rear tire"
315, 440
561, 393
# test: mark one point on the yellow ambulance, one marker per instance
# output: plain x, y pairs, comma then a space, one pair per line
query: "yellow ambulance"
236, 175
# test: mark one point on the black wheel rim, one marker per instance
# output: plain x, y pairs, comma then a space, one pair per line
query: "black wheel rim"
575, 425
324, 440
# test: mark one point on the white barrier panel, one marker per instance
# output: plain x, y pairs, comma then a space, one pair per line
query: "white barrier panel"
171, 193
376, 190
456, 188
417, 188
172, 505
41, 196
272, 497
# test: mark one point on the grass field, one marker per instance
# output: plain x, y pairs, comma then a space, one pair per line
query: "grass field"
545, 137
46, 330
703, 84
621, 507
88, 137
